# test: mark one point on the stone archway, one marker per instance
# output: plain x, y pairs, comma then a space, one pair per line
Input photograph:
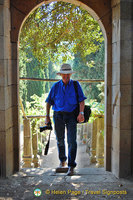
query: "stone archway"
103, 21
118, 132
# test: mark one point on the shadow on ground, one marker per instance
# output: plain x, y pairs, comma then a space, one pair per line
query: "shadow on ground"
87, 182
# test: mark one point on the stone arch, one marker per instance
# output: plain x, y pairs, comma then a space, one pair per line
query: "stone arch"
118, 132
104, 21
19, 12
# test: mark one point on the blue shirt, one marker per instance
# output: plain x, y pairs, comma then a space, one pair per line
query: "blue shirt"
64, 98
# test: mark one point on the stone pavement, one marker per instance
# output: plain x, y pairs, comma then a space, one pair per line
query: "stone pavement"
52, 158
87, 183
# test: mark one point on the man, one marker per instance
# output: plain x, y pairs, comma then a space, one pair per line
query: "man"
63, 99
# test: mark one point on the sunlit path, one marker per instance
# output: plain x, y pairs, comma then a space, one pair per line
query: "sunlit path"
51, 160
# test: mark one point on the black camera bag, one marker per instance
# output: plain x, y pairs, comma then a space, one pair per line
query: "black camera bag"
87, 109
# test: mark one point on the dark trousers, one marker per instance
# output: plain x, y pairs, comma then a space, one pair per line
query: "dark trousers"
62, 120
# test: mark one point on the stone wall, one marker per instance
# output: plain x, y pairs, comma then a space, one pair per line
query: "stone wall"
117, 25
6, 108
101, 11
122, 62
9, 124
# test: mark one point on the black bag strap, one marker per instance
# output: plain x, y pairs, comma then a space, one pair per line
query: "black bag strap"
76, 90
47, 145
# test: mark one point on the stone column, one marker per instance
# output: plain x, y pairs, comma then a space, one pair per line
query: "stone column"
122, 83
80, 130
27, 151
7, 111
100, 143
93, 142
89, 138
35, 149
85, 133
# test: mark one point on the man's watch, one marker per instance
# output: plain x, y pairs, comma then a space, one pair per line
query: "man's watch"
82, 113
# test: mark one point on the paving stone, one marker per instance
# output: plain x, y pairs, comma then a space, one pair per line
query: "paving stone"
87, 183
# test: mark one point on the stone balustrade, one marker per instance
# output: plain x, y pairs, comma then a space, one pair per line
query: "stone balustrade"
91, 134
30, 146
100, 142
27, 150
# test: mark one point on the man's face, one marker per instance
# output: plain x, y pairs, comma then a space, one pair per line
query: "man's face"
65, 78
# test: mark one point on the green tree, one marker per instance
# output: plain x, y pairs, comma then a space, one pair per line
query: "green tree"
52, 72
60, 28
34, 87
23, 72
55, 33
90, 67
29, 67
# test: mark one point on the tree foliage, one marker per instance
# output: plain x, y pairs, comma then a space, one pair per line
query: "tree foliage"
55, 33
34, 87
60, 28
28, 67
91, 67
22, 72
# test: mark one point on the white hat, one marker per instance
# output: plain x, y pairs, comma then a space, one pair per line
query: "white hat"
65, 69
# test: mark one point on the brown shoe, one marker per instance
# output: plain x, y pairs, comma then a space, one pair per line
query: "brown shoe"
63, 164
70, 171
62, 168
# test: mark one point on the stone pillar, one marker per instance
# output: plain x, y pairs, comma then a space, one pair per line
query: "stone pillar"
100, 143
93, 142
9, 140
35, 150
108, 90
122, 83
27, 151
89, 138
80, 130
85, 133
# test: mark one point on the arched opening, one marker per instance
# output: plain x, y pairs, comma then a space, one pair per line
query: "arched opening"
117, 25
16, 13
96, 17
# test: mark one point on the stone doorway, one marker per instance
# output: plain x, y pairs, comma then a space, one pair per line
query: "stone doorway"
25, 79
118, 81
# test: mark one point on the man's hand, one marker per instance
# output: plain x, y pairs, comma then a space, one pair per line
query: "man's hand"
80, 118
